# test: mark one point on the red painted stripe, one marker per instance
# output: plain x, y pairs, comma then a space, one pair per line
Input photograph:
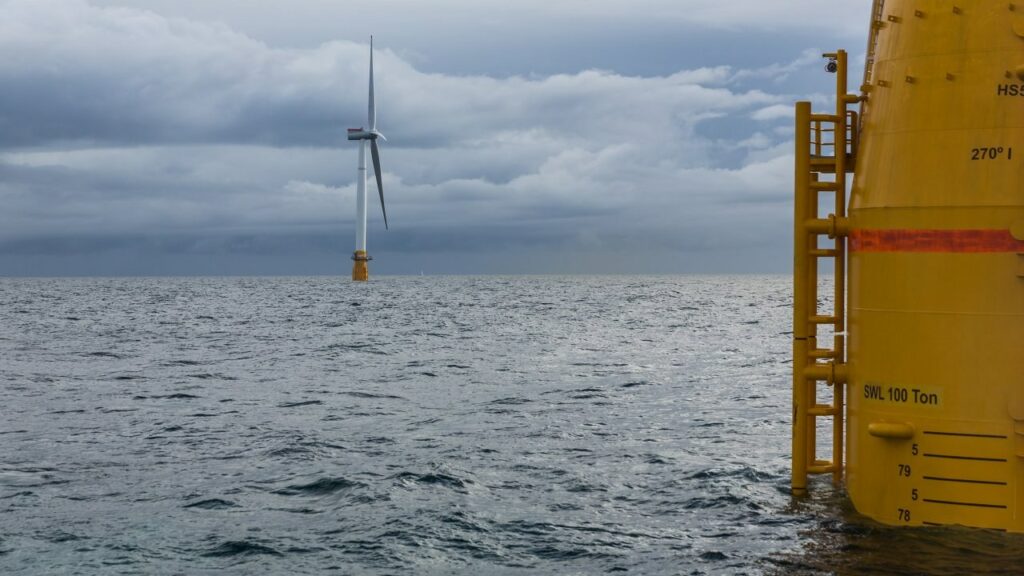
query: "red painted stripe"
974, 241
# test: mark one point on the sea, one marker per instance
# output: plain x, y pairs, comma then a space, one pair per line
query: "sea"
422, 425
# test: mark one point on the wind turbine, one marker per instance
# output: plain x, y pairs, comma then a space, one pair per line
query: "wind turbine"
360, 257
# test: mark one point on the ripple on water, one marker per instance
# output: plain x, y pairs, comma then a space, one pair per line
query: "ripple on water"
211, 504
300, 403
432, 479
320, 487
240, 548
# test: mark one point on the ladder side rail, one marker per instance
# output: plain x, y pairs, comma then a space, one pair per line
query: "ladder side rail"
801, 254
839, 276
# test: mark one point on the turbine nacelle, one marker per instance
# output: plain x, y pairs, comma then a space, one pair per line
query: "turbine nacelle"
360, 134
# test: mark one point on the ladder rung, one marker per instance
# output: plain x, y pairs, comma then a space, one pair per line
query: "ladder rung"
821, 467
825, 186
823, 320
824, 164
824, 253
822, 410
822, 353
831, 372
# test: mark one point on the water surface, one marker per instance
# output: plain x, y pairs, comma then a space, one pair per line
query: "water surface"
420, 425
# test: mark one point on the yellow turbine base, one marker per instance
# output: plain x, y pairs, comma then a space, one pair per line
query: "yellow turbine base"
935, 427
360, 273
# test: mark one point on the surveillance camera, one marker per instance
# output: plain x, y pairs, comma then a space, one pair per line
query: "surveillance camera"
832, 67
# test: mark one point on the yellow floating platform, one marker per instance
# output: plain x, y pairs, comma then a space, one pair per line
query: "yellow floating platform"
931, 369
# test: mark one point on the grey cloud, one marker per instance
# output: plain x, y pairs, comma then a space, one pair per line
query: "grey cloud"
134, 136
117, 77
650, 37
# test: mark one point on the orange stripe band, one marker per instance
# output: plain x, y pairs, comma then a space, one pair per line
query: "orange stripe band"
946, 241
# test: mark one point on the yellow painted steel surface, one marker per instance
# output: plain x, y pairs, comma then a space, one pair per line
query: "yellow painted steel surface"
360, 271
935, 349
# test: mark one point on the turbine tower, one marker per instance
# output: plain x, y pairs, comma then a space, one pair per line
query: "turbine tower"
370, 135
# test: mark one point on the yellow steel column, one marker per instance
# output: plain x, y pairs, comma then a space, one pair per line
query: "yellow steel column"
800, 308
839, 299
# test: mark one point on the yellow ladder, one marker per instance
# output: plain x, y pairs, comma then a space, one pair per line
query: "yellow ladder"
826, 147
876, 26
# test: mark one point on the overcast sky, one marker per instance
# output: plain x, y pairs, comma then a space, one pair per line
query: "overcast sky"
142, 137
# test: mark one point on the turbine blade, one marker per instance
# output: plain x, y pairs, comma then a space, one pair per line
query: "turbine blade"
380, 186
372, 113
